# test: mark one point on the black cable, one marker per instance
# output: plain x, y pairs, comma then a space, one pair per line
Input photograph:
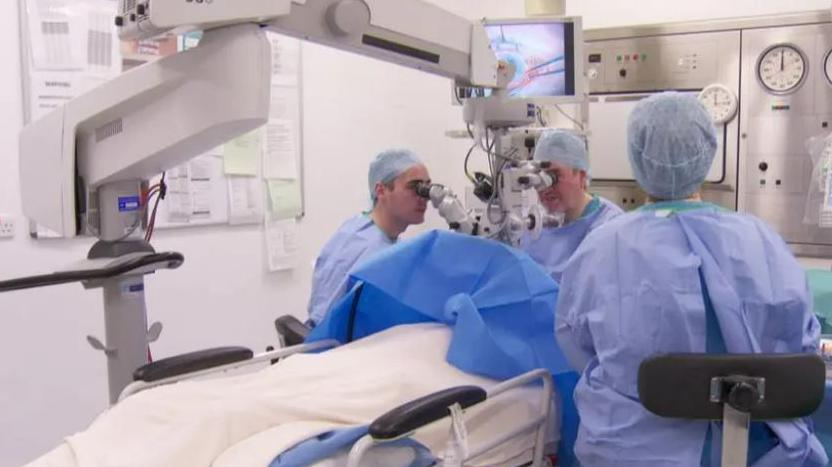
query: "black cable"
151, 224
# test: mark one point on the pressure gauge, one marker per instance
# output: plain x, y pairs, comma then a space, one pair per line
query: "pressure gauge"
720, 103
781, 69
827, 66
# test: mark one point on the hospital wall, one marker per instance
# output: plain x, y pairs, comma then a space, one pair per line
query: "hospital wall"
52, 383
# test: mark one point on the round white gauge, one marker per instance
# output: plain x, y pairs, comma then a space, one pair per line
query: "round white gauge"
781, 68
720, 103
827, 66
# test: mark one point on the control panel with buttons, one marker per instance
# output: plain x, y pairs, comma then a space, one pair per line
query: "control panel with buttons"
627, 65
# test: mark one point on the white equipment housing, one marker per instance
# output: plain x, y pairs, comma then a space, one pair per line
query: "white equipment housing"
157, 116
146, 121
413, 33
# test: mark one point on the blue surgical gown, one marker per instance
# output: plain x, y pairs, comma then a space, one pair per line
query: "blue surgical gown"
357, 239
555, 245
634, 288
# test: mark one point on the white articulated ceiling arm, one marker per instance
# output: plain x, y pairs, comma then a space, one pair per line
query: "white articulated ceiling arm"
413, 33
163, 113
82, 166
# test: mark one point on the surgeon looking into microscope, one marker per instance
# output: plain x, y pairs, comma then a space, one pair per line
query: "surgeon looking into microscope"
583, 212
392, 180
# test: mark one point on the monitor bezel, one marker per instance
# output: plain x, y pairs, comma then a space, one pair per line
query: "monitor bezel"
578, 45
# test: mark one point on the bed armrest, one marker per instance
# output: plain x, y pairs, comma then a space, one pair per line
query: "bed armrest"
290, 330
419, 412
190, 362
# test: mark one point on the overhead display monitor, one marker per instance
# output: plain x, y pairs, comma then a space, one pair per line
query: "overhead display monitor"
543, 52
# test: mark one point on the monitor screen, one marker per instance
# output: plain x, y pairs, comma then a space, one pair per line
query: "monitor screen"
543, 54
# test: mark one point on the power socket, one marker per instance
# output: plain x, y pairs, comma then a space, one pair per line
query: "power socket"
6, 226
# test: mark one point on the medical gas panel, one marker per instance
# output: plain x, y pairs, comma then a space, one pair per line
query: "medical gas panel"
786, 100
767, 82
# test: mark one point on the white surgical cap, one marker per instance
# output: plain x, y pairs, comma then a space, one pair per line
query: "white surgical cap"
671, 143
388, 165
564, 147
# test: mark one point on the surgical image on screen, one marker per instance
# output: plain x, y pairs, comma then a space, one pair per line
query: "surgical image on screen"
537, 52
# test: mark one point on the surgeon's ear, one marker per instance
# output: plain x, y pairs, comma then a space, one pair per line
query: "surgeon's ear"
584, 180
378, 190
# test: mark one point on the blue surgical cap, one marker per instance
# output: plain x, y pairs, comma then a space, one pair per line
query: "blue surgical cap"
388, 165
564, 147
671, 143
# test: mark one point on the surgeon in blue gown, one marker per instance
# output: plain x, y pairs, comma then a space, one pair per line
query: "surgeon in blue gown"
678, 275
582, 212
392, 180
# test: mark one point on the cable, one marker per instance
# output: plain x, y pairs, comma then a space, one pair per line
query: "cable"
540, 116
572, 119
508, 157
160, 195
465, 164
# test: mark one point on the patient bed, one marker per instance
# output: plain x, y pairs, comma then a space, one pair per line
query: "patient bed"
250, 419
437, 321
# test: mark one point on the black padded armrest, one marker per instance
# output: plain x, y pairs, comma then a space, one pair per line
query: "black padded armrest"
291, 330
416, 413
190, 362
678, 385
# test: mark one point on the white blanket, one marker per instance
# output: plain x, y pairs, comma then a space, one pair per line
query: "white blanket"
249, 419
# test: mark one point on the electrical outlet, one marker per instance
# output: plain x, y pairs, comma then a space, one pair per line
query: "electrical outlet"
6, 226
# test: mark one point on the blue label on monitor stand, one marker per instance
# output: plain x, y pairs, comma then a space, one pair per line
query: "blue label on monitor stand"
128, 203
132, 290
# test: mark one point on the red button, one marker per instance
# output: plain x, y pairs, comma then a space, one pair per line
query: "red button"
635, 56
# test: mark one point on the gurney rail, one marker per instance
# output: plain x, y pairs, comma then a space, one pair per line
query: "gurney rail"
539, 423
137, 386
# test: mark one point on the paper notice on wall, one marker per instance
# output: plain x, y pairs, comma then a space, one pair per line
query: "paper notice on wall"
285, 103
244, 206
242, 154
71, 35
56, 31
201, 198
281, 244
50, 90
280, 150
103, 53
178, 199
285, 60
200, 171
201, 168
285, 199
189, 194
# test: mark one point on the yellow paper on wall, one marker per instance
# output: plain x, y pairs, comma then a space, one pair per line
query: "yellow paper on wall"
285, 198
242, 154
